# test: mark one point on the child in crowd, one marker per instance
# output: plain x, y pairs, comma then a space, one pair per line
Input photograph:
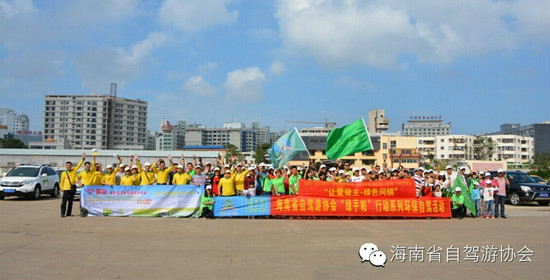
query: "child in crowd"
488, 197
476, 196
437, 191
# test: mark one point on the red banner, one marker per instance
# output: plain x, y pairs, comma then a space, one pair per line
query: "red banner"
324, 206
403, 188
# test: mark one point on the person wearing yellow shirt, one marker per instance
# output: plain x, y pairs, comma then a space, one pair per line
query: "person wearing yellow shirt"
147, 176
109, 176
68, 186
180, 178
238, 176
227, 184
84, 177
162, 172
97, 178
136, 175
128, 179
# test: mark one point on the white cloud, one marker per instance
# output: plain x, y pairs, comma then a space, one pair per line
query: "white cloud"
195, 15
245, 84
376, 34
101, 66
208, 67
277, 68
197, 86
9, 9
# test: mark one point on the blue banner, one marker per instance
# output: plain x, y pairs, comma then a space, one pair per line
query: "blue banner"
231, 206
142, 201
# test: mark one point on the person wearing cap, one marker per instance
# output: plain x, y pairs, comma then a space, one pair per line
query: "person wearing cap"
180, 178
136, 174
238, 173
501, 182
120, 173
198, 179
216, 177
341, 178
293, 181
357, 177
68, 186
461, 181
128, 179
394, 174
489, 198
476, 197
109, 178
227, 184
207, 203
162, 171
457, 199
147, 176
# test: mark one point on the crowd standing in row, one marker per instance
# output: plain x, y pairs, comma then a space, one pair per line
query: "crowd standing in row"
244, 179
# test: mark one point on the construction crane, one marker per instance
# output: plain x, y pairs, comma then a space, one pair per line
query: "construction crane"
326, 123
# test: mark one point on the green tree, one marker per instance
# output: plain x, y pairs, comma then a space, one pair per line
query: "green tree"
12, 144
233, 152
541, 165
261, 151
484, 147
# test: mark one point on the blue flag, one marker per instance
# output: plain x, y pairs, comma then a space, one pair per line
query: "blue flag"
286, 148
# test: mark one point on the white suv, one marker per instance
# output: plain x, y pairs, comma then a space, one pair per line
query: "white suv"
30, 181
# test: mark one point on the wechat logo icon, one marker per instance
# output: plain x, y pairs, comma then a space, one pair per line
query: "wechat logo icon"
369, 253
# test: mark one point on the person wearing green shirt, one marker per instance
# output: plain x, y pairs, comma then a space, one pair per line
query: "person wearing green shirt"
293, 180
267, 184
207, 203
279, 183
457, 200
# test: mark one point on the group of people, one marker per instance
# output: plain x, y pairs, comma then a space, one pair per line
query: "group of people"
242, 179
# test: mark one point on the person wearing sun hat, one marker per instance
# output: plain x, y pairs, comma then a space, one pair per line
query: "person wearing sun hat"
227, 184
458, 208
147, 176
180, 178
128, 179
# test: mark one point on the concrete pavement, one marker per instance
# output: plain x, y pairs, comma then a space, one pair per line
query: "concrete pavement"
35, 243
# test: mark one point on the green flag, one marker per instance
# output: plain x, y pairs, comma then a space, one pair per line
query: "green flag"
347, 140
468, 201
286, 147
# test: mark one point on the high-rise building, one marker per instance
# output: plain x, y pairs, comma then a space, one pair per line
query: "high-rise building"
13, 121
513, 149
421, 126
96, 121
539, 131
377, 122
262, 133
169, 137
458, 147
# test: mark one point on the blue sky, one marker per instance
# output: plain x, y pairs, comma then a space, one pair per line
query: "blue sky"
478, 64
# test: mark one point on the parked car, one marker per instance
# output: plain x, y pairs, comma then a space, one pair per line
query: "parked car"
523, 188
548, 182
30, 181
537, 179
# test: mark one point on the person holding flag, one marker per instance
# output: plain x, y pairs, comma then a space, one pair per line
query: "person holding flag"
461, 182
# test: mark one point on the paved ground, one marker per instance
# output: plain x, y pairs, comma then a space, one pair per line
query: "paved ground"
35, 243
